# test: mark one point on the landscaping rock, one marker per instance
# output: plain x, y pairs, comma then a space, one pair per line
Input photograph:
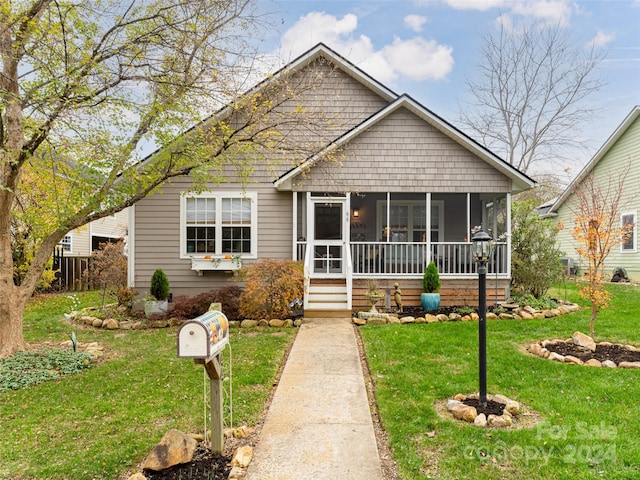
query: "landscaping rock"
394, 320
556, 357
529, 309
609, 364
421, 320
455, 317
173, 449
137, 476
582, 340
97, 323
442, 317
276, 323
474, 316
453, 403
236, 473
464, 412
297, 322
359, 321
288, 323
377, 321
248, 324
539, 316
111, 324
573, 360
263, 322
501, 421
409, 319
629, 365
592, 362
491, 316
430, 318
549, 314
234, 324
506, 316
480, 421
242, 457
524, 314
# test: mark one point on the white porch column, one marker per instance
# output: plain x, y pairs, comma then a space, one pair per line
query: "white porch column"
294, 232
509, 235
428, 226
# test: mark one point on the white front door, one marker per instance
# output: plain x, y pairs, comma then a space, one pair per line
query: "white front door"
329, 227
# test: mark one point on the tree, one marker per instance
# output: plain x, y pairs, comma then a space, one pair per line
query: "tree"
86, 87
530, 92
597, 229
536, 261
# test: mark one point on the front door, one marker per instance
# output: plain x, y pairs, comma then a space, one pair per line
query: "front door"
329, 238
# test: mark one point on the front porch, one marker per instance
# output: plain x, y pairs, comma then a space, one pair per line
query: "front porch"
348, 239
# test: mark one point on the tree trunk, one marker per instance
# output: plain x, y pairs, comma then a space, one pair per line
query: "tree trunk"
594, 314
12, 303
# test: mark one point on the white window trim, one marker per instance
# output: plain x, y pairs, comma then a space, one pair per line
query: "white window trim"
253, 196
70, 243
635, 233
381, 208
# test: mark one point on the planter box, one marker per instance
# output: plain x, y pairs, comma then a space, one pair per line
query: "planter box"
220, 264
158, 306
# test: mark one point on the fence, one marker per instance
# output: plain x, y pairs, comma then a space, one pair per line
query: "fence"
71, 272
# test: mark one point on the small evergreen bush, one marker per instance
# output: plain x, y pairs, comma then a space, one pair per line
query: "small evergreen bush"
431, 279
159, 285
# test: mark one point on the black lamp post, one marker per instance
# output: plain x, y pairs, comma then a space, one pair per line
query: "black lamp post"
481, 254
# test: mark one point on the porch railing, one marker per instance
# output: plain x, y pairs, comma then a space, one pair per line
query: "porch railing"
411, 258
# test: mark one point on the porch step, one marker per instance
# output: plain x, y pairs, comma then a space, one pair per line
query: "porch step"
324, 298
327, 313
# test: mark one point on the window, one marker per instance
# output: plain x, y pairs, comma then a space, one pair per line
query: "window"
218, 224
628, 224
408, 220
65, 243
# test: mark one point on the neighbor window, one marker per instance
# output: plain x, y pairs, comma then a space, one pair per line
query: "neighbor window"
219, 224
628, 223
65, 243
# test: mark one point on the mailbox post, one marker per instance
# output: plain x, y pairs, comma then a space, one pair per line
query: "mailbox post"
203, 339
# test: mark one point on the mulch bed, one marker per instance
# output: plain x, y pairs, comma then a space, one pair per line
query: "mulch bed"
204, 466
492, 408
615, 353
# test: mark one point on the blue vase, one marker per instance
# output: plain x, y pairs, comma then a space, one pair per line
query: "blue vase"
430, 301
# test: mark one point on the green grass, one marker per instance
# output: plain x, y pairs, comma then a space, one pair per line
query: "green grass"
101, 423
590, 422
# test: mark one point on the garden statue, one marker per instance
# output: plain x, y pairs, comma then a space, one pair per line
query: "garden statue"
397, 295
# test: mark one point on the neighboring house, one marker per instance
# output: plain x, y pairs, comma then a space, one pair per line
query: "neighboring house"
621, 152
84, 240
408, 188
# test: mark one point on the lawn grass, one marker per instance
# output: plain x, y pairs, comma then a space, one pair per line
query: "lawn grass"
589, 420
101, 423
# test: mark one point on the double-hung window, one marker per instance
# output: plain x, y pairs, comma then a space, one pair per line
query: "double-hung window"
219, 224
65, 243
628, 224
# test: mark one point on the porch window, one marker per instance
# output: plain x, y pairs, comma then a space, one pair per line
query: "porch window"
408, 219
628, 221
218, 224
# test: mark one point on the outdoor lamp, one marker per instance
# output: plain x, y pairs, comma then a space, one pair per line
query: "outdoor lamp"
356, 212
481, 254
481, 247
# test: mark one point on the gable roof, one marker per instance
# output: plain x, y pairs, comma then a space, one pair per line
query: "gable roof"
520, 181
600, 154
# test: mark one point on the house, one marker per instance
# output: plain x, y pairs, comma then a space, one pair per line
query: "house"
620, 153
391, 187
84, 240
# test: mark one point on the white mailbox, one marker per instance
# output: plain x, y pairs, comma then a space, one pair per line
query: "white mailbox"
204, 336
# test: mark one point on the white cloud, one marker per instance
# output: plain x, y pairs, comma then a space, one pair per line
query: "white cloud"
415, 59
415, 22
557, 11
419, 59
601, 39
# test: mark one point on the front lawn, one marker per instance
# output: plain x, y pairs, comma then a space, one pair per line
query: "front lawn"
589, 419
100, 423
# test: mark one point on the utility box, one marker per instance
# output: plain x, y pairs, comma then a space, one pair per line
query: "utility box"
203, 337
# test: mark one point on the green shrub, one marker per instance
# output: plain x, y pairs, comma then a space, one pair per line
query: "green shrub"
542, 303
159, 285
25, 369
536, 261
431, 279
271, 286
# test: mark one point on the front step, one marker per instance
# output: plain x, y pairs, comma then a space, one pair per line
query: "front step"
327, 299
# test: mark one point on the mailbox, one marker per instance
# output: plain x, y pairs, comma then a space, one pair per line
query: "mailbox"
204, 336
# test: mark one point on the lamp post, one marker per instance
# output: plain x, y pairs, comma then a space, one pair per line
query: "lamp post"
481, 254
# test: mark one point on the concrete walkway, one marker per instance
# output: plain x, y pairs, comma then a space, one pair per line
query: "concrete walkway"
319, 425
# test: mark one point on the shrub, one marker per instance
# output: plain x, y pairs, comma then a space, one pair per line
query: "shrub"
185, 307
536, 261
431, 279
541, 303
108, 269
159, 285
271, 285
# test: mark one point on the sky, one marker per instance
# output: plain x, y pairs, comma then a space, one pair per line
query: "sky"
428, 48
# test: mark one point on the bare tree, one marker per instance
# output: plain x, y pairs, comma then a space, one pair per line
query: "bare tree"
530, 92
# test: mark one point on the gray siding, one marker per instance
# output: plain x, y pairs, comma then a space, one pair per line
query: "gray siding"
403, 153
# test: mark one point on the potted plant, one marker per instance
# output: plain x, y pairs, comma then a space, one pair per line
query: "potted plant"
157, 302
430, 299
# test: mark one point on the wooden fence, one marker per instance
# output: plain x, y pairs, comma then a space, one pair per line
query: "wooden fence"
71, 274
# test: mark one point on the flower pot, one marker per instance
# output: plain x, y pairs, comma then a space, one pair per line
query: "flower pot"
430, 301
153, 307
